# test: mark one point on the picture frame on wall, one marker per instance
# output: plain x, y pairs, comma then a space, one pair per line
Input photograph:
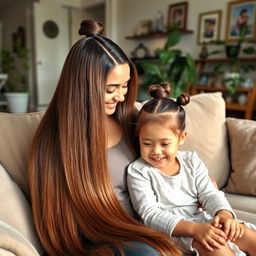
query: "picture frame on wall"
204, 78
144, 27
239, 14
209, 27
177, 14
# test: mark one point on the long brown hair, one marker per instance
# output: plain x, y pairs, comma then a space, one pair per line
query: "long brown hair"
74, 205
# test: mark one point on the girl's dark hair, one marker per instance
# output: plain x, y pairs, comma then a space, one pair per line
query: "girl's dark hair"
74, 205
168, 108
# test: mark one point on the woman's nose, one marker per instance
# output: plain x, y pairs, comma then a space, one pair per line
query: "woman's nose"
119, 95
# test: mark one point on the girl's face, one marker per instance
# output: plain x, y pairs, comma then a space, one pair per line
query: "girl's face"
159, 145
117, 87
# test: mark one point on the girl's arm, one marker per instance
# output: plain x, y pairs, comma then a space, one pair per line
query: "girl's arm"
212, 199
205, 233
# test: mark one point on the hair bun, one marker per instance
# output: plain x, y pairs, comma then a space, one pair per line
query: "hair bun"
91, 27
162, 90
183, 99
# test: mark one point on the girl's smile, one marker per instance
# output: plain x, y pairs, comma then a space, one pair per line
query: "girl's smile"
159, 146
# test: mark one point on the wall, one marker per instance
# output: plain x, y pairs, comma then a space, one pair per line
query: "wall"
132, 11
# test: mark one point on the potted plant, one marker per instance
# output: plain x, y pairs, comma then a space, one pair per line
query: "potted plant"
171, 65
233, 78
15, 64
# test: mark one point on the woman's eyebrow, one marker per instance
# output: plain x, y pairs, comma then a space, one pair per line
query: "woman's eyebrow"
118, 84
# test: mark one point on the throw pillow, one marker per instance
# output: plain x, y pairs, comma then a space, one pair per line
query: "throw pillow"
15, 209
207, 133
12, 243
242, 135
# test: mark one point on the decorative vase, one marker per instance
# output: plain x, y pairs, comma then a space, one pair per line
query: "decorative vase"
17, 102
232, 51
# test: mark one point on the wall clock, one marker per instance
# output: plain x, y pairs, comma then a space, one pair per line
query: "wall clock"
50, 29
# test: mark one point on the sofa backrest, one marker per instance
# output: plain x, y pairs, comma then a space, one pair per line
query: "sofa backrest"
16, 134
206, 126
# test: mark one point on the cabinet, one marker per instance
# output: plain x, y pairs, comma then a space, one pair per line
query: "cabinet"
250, 93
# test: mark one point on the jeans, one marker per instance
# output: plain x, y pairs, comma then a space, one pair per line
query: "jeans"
139, 249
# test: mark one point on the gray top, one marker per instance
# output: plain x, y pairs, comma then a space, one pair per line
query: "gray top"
119, 157
162, 201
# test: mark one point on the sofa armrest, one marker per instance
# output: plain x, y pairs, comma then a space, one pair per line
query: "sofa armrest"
14, 243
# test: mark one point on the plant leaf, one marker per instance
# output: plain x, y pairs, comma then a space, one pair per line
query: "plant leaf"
249, 50
173, 39
150, 68
166, 57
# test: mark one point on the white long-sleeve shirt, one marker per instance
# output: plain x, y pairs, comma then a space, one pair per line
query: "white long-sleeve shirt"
162, 201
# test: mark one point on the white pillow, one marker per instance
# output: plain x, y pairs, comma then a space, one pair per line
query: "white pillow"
207, 133
15, 209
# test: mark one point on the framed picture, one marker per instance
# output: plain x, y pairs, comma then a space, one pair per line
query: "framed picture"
144, 27
177, 14
209, 26
204, 78
241, 13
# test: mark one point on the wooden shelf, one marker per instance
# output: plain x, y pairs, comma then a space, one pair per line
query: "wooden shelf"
236, 106
225, 59
155, 35
247, 108
221, 89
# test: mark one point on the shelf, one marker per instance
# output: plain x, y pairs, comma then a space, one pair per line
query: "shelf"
222, 89
154, 35
225, 59
247, 108
236, 106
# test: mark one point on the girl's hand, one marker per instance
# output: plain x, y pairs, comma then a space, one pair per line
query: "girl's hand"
209, 236
231, 227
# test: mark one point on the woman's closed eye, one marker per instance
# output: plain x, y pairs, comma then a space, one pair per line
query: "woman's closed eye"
109, 91
111, 88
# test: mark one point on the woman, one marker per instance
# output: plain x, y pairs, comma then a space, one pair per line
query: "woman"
76, 178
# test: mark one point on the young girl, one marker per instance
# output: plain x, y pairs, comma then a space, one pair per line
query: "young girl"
165, 184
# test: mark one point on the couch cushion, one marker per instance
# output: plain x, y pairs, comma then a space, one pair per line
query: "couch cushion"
243, 206
15, 209
12, 243
207, 133
16, 133
242, 135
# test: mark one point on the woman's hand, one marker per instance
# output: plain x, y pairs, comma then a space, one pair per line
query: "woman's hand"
231, 227
209, 236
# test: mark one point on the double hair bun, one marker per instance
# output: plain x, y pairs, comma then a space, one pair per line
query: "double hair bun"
164, 89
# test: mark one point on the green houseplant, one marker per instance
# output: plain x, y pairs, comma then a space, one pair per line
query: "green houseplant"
233, 79
15, 65
171, 65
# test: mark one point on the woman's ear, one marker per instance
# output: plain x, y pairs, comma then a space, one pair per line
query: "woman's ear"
182, 138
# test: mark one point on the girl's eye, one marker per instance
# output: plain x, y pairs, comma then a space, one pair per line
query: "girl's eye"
146, 144
125, 86
165, 144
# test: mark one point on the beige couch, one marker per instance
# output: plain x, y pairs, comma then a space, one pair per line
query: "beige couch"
220, 142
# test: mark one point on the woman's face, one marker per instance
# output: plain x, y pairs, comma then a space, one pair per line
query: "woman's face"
116, 87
